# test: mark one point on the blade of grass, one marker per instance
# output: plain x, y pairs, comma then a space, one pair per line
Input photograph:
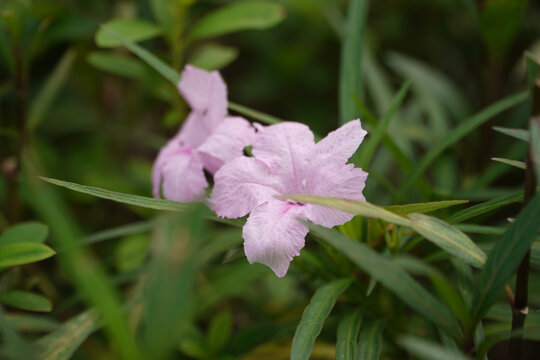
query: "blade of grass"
423, 207
485, 207
515, 163
458, 133
520, 134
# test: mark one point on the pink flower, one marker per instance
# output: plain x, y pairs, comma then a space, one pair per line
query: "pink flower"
206, 140
288, 161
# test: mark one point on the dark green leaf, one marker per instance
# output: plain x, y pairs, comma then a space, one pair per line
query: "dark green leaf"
347, 335
23, 253
485, 207
26, 301
133, 30
314, 316
117, 64
213, 56
423, 207
219, 331
239, 16
31, 231
428, 350
370, 342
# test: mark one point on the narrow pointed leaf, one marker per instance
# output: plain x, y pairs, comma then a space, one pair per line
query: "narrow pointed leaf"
485, 207
315, 314
391, 276
535, 144
213, 57
449, 238
347, 335
117, 64
428, 350
133, 30
370, 342
23, 253
467, 126
423, 207
31, 231
520, 134
515, 163
237, 17
350, 78
142, 201
25, 300
505, 257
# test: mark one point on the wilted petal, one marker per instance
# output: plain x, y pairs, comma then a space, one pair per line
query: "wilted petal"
286, 148
226, 142
205, 92
273, 235
339, 145
341, 181
179, 172
242, 184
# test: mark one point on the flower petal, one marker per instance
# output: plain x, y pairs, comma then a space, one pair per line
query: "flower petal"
286, 148
273, 235
339, 145
182, 174
205, 92
242, 184
226, 142
332, 180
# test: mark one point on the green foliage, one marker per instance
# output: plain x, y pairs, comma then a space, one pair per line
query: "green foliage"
134, 30
347, 335
30, 231
23, 253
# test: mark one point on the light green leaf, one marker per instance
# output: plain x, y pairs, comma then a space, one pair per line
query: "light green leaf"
392, 276
485, 207
505, 258
117, 64
515, 163
239, 16
370, 342
62, 343
26, 301
30, 231
131, 29
448, 238
219, 331
423, 207
23, 253
350, 79
142, 201
213, 56
428, 350
374, 139
313, 318
520, 134
465, 127
347, 335
44, 98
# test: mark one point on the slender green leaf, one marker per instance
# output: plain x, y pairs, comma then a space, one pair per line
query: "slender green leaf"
314, 316
30, 231
142, 201
350, 81
423, 207
219, 331
505, 257
535, 143
448, 238
458, 133
392, 276
520, 134
125, 230
23, 253
25, 300
486, 207
163, 69
370, 342
117, 64
213, 56
44, 98
133, 30
63, 342
239, 16
374, 139
347, 335
32, 323
515, 163
428, 350
254, 114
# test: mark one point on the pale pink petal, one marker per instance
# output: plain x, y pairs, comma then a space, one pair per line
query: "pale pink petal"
339, 145
164, 155
287, 149
273, 235
332, 180
180, 174
226, 142
194, 131
205, 92
242, 184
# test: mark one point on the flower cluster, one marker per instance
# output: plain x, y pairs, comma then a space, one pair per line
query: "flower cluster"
286, 160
